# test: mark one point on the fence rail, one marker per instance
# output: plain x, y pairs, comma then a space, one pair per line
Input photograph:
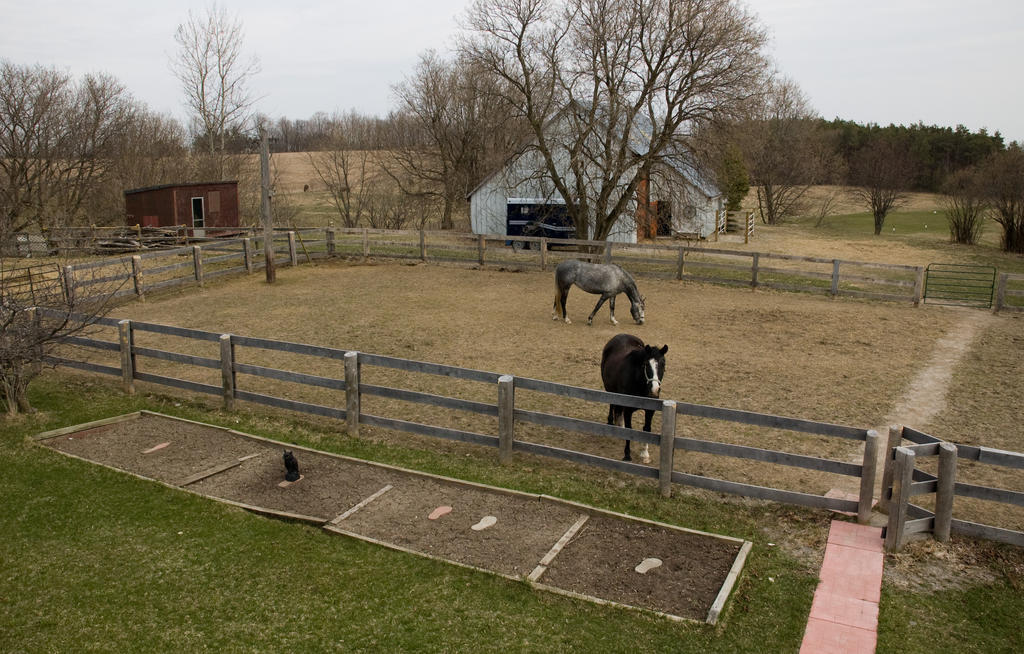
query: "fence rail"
154, 270
507, 410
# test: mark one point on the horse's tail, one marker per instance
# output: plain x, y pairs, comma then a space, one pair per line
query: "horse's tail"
558, 313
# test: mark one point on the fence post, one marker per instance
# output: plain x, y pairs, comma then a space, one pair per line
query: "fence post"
137, 274
607, 251
666, 447
480, 247
506, 417
867, 477
197, 263
352, 393
366, 243
423, 245
754, 266
895, 440
247, 254
124, 332
679, 266
944, 494
69, 284
918, 286
903, 474
835, 278
293, 254
1004, 279
330, 241
227, 370
543, 253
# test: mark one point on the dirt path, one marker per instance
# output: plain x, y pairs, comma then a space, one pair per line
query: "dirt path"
925, 394
925, 397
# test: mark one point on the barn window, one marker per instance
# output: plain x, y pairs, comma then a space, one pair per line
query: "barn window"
198, 217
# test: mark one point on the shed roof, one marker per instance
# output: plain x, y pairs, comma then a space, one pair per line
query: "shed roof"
160, 187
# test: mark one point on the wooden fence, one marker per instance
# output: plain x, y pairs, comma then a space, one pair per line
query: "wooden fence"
1009, 293
193, 264
902, 480
507, 412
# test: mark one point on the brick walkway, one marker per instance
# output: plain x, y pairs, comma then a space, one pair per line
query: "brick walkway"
844, 615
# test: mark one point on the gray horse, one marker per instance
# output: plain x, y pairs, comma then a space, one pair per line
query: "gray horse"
606, 279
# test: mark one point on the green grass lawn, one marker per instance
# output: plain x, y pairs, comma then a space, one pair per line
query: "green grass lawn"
97, 560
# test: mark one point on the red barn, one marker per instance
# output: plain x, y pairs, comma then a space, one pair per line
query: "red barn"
204, 208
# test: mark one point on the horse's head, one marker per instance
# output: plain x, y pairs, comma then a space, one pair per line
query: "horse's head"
654, 368
637, 310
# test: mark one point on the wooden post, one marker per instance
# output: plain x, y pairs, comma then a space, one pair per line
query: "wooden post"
543, 253
247, 254
748, 227
867, 477
506, 417
366, 243
137, 274
124, 332
755, 264
681, 262
330, 242
918, 286
197, 263
903, 474
607, 251
895, 440
69, 285
666, 447
945, 493
268, 220
481, 245
352, 393
1004, 279
293, 254
423, 245
227, 371
835, 278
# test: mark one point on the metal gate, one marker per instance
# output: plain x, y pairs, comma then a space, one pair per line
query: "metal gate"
959, 284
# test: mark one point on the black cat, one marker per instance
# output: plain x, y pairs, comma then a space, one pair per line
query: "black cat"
291, 465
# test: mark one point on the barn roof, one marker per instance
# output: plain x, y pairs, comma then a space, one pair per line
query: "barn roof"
679, 160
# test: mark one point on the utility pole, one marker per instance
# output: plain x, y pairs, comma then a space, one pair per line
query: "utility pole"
268, 225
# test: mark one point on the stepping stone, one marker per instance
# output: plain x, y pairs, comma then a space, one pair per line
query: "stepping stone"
155, 448
286, 483
485, 522
647, 565
439, 511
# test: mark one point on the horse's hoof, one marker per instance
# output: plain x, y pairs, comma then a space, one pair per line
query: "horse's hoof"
568, 322
645, 460
614, 321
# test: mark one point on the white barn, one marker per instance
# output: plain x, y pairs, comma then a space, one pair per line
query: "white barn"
677, 199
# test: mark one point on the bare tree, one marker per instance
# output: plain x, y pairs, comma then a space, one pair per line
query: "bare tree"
62, 144
608, 88
882, 173
348, 175
787, 150
451, 105
214, 75
37, 313
965, 206
1003, 173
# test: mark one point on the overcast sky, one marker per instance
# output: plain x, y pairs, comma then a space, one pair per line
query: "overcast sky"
940, 62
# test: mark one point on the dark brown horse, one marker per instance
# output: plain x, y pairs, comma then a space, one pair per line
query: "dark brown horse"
631, 368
